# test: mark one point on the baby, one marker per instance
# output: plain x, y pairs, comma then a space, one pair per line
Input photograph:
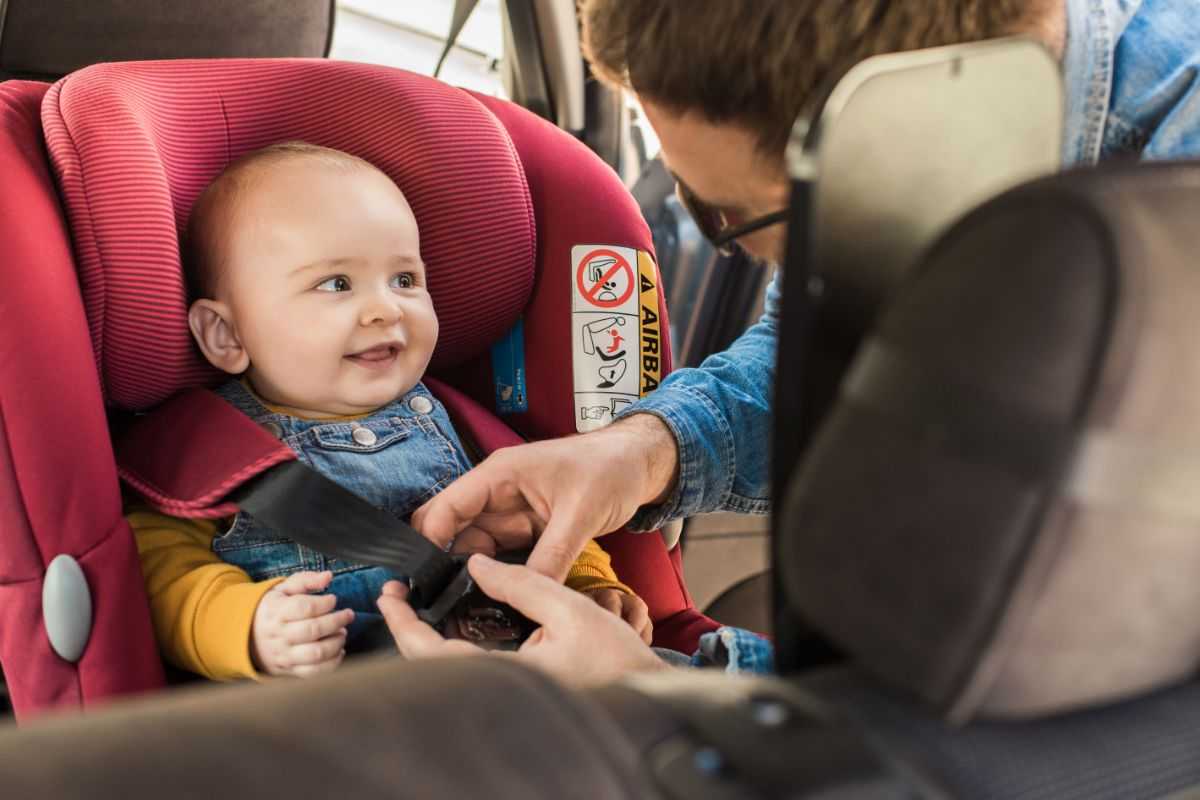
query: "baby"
311, 290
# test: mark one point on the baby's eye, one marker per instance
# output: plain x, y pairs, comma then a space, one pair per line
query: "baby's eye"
339, 284
403, 280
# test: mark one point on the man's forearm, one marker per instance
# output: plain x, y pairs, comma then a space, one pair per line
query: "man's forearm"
717, 421
652, 441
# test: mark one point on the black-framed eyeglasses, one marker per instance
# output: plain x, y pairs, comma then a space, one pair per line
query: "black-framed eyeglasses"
713, 224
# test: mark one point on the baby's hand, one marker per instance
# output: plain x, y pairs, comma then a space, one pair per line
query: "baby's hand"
296, 633
628, 607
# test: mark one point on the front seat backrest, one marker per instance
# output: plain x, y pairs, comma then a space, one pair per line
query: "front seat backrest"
1000, 514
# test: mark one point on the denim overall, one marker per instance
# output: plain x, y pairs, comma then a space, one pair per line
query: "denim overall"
395, 458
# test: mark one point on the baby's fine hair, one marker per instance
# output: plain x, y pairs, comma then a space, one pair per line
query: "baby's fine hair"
202, 255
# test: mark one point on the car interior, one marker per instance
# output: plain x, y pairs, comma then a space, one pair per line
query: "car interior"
981, 568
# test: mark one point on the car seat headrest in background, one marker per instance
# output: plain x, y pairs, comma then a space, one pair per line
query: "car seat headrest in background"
1001, 512
48, 38
134, 144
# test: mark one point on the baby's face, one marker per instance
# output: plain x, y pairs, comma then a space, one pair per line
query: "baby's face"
327, 289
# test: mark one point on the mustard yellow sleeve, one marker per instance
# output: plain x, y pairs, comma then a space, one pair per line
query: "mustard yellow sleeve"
593, 570
202, 608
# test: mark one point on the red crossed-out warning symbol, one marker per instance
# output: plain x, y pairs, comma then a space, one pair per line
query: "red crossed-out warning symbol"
605, 278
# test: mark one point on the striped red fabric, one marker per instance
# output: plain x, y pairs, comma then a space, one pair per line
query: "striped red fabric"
58, 485
133, 144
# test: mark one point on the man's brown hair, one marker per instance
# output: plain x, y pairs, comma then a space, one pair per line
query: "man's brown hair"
761, 63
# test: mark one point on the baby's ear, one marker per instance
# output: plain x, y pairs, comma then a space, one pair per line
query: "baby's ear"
212, 327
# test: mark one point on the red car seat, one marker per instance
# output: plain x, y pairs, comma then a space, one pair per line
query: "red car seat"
95, 310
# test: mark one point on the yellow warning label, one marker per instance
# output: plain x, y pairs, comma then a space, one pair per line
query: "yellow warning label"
616, 331
650, 324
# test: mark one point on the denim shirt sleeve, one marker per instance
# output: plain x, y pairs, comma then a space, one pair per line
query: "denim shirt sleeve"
1155, 105
720, 416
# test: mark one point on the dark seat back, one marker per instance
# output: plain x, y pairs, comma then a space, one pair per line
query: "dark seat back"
999, 515
1142, 748
46, 39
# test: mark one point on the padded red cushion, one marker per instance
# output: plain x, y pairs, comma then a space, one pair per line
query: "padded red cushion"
58, 484
133, 145
578, 199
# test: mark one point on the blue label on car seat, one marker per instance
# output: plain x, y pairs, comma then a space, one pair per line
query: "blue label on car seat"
508, 371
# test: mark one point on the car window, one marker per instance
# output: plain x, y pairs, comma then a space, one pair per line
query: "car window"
650, 146
411, 36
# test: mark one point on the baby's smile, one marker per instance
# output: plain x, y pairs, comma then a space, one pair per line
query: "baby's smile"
379, 357
325, 309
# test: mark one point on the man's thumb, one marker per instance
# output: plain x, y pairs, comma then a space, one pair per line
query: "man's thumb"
542, 600
552, 556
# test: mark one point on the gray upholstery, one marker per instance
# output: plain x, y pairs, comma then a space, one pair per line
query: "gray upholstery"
1000, 513
375, 729
49, 38
384, 728
479, 727
1148, 748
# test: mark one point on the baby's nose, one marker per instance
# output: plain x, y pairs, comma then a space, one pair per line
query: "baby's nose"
381, 311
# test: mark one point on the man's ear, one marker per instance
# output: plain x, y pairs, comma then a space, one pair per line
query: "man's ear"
212, 327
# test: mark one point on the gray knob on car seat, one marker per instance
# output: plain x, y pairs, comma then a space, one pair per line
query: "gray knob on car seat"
66, 607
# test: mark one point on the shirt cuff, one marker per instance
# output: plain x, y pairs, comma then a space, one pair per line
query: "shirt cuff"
223, 631
705, 446
581, 582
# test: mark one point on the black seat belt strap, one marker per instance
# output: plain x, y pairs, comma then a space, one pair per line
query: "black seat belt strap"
314, 511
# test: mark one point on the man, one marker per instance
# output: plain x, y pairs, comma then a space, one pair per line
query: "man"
722, 81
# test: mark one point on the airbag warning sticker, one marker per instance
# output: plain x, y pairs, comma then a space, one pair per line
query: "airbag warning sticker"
615, 331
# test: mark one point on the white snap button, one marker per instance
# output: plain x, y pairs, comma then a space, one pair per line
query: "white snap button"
66, 608
273, 428
421, 404
364, 436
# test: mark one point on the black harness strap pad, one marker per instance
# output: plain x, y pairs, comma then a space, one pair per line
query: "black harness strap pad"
319, 513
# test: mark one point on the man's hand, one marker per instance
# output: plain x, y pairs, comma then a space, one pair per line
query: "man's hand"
555, 495
579, 643
628, 607
296, 633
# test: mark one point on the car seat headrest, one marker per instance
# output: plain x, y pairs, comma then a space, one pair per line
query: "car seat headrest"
134, 144
1001, 513
49, 38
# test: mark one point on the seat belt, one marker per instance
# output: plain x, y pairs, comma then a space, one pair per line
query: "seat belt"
318, 513
305, 506
525, 54
263, 478
458, 18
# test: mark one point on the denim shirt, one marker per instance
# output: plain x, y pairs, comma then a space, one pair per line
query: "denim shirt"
1132, 75
396, 458
1132, 72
